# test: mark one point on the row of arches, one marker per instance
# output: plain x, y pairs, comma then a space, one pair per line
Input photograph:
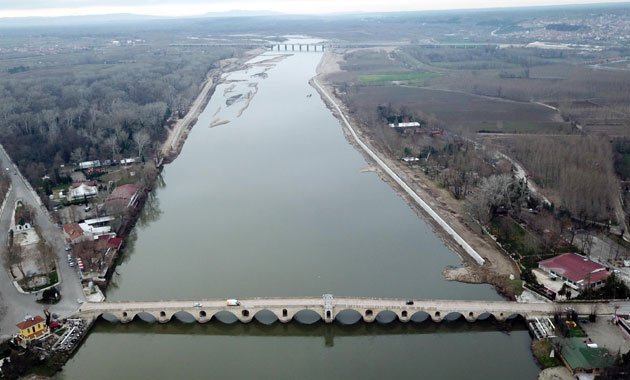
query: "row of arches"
265, 316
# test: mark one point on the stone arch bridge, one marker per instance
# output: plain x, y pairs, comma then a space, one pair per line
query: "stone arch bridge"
329, 308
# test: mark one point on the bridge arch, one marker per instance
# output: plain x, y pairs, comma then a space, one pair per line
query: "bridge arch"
486, 316
453, 316
145, 317
348, 316
307, 317
266, 317
109, 317
386, 317
226, 317
184, 316
420, 316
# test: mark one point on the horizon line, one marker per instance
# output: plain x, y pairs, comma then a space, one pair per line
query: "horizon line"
282, 13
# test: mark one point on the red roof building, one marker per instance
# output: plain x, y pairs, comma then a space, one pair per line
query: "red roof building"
577, 271
31, 329
74, 233
122, 197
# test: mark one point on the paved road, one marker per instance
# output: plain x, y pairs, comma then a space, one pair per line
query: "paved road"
14, 305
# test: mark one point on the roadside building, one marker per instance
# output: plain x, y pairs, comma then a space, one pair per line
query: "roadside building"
74, 233
578, 272
82, 190
90, 229
584, 358
31, 329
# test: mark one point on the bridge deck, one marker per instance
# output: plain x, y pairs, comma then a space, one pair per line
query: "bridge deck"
285, 308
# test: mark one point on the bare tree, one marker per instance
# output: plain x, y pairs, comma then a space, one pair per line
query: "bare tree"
77, 155
141, 138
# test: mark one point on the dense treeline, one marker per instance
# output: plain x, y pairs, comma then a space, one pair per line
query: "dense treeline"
579, 168
100, 103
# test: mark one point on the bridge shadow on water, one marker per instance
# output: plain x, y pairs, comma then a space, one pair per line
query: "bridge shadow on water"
256, 328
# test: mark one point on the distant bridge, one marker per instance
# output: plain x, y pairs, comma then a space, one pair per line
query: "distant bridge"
322, 46
328, 309
298, 47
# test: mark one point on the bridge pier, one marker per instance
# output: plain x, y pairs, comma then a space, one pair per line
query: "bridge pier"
403, 316
436, 316
163, 317
203, 316
369, 315
501, 317
329, 315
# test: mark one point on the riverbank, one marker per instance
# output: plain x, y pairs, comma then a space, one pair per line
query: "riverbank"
172, 146
497, 269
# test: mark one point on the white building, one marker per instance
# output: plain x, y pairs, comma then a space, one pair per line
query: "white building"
82, 190
412, 124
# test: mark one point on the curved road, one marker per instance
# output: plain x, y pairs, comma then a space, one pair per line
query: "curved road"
14, 305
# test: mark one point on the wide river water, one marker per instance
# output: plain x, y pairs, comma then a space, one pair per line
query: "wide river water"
275, 203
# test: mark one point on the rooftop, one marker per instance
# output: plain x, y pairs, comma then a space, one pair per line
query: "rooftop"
580, 356
25, 324
74, 231
576, 268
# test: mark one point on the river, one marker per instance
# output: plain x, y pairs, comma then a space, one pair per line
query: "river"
275, 203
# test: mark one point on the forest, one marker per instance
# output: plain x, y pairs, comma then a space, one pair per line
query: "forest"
65, 101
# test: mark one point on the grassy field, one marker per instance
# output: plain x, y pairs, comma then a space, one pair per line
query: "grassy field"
541, 350
384, 78
522, 127
455, 109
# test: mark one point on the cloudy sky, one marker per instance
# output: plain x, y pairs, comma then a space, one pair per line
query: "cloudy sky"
28, 8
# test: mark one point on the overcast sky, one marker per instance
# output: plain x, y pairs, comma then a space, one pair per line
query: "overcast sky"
28, 8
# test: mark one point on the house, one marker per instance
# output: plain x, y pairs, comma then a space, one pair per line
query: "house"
82, 190
31, 329
74, 233
122, 197
413, 124
578, 272
407, 128
127, 161
89, 164
582, 357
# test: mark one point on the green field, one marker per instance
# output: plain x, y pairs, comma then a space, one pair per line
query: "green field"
376, 78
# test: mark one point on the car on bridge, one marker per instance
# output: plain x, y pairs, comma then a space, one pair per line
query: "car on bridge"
233, 302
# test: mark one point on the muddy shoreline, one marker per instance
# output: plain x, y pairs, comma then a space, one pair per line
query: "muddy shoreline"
497, 269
